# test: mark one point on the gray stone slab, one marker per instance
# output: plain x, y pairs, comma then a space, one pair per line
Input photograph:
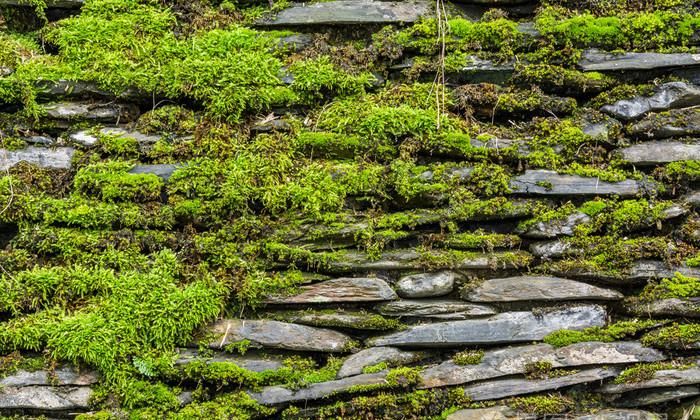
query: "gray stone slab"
666, 96
62, 375
344, 289
536, 288
557, 227
393, 356
666, 307
426, 284
447, 309
344, 12
45, 398
252, 362
673, 123
595, 60
545, 182
651, 397
661, 379
659, 152
44, 157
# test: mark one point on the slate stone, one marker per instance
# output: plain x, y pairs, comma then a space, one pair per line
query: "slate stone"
509, 327
666, 96
142, 138
63, 375
344, 289
673, 123
693, 199
274, 395
595, 60
552, 249
98, 112
344, 12
393, 356
536, 288
514, 360
557, 227
426, 284
619, 414
545, 182
600, 127
53, 158
249, 361
651, 397
276, 334
479, 70
502, 388
163, 170
45, 398
434, 308
638, 272
660, 152
41, 140
666, 307
661, 379
355, 320
490, 413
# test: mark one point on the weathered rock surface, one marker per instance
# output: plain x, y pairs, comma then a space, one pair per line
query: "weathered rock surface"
275, 334
693, 199
514, 360
659, 152
638, 272
595, 60
509, 327
673, 123
491, 413
356, 320
667, 96
667, 307
393, 356
434, 308
552, 249
557, 227
99, 112
54, 158
343, 12
619, 414
520, 386
64, 375
545, 182
479, 70
252, 362
344, 289
661, 379
663, 395
426, 284
163, 170
513, 289
273, 395
45, 398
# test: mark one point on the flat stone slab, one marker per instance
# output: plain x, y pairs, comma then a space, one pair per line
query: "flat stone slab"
667, 96
673, 123
52, 158
343, 12
274, 395
276, 334
510, 387
344, 289
435, 308
514, 360
661, 379
639, 272
545, 182
666, 307
539, 288
392, 356
45, 398
557, 227
162, 170
426, 284
64, 375
251, 362
355, 320
659, 152
492, 413
619, 414
652, 397
595, 60
508, 327
98, 112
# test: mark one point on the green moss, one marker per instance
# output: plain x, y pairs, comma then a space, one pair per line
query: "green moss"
560, 79
112, 182
679, 286
676, 336
612, 332
682, 171
481, 240
645, 371
542, 404
468, 357
237, 405
544, 370
167, 119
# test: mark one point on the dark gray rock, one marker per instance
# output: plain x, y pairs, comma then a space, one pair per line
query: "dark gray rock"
673, 123
667, 96
600, 126
434, 308
661, 379
514, 361
479, 70
666, 307
63, 375
492, 413
638, 272
249, 361
98, 112
392, 356
344, 12
594, 60
275, 334
53, 158
163, 170
545, 182
344, 289
693, 199
509, 327
519, 386
552, 249
651, 397
557, 227
619, 414
536, 288
45, 398
274, 395
659, 152
426, 284
352, 319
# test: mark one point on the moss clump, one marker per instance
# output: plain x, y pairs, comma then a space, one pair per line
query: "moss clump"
481, 240
112, 182
468, 357
544, 370
676, 336
645, 371
542, 404
679, 286
375, 368
237, 405
560, 79
167, 119
612, 332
